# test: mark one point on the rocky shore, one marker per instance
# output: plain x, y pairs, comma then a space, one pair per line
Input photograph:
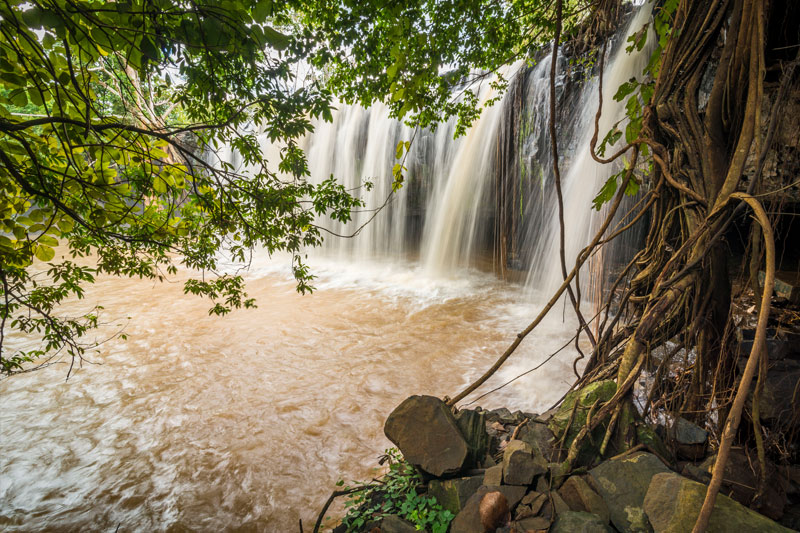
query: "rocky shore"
498, 471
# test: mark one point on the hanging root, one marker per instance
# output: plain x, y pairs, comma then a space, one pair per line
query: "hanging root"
759, 346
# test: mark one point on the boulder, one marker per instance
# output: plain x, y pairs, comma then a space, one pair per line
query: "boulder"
623, 484
520, 466
690, 439
580, 497
580, 522
472, 425
673, 503
452, 494
530, 505
425, 431
513, 494
493, 475
395, 524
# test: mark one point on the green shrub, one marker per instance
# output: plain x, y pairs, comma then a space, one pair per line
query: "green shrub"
396, 493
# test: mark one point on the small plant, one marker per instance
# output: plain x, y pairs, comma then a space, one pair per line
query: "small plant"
395, 494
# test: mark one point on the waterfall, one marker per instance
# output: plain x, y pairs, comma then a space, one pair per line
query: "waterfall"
582, 176
486, 198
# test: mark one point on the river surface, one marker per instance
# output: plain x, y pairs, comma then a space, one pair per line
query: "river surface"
246, 422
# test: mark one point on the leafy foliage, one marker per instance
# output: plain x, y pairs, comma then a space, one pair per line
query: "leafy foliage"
427, 56
637, 94
395, 494
110, 117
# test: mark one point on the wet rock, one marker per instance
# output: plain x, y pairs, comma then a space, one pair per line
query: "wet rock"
533, 524
673, 502
452, 494
473, 428
690, 439
395, 524
493, 475
520, 466
579, 522
425, 431
580, 497
623, 484
740, 482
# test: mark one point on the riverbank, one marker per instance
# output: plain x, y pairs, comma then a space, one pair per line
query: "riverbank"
502, 471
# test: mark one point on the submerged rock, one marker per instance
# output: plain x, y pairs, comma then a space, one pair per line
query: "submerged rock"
623, 484
673, 503
425, 431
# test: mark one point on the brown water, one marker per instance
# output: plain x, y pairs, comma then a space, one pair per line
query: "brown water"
246, 422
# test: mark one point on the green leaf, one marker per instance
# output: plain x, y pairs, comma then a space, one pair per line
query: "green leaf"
149, 49
43, 253
606, 193
47, 240
275, 39
625, 89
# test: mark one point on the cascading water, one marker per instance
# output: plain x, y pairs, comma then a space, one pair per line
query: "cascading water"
448, 210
